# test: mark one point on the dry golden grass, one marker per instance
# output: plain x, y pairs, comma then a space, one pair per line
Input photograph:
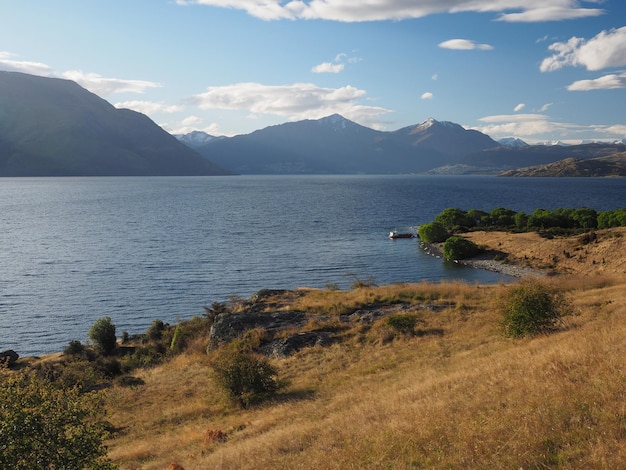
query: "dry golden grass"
461, 397
566, 255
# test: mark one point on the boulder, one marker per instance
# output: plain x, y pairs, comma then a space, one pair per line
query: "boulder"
9, 357
286, 346
229, 326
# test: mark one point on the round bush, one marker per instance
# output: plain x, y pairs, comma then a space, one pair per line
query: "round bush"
459, 248
245, 376
531, 308
432, 232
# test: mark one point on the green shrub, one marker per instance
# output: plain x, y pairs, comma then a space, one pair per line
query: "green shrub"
403, 323
432, 232
75, 348
155, 332
102, 333
245, 376
532, 307
42, 426
459, 248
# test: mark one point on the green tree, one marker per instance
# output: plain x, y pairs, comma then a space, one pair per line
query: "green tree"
45, 427
586, 218
532, 307
478, 217
614, 218
521, 221
459, 248
454, 219
502, 217
102, 333
432, 232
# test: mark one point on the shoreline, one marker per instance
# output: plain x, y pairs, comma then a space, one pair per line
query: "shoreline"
485, 261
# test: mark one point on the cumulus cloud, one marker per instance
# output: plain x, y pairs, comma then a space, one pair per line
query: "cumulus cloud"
351, 11
427, 96
519, 107
9, 63
611, 81
524, 125
336, 66
328, 67
464, 45
104, 87
606, 49
297, 101
542, 127
149, 107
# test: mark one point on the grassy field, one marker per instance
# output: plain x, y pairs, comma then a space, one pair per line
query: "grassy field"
457, 394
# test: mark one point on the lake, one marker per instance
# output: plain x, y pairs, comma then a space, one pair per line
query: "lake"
138, 249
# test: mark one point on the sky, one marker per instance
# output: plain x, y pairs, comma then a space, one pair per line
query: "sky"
539, 70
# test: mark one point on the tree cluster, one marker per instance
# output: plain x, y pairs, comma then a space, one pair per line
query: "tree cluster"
500, 218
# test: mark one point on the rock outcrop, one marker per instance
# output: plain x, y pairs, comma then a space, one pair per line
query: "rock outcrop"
285, 331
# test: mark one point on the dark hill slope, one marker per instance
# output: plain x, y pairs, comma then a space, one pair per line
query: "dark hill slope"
613, 165
505, 158
53, 127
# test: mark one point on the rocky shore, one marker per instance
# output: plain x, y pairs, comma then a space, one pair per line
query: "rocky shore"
486, 260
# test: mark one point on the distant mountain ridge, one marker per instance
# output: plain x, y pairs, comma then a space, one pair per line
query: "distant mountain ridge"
54, 127
612, 165
336, 145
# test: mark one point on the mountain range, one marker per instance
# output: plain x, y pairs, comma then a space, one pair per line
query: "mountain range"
54, 127
335, 145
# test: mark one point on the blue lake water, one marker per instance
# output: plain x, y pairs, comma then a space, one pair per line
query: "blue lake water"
137, 249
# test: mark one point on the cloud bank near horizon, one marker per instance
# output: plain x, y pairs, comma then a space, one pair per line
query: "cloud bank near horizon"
520, 11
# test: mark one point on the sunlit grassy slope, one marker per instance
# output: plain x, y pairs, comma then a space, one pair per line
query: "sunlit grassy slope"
456, 395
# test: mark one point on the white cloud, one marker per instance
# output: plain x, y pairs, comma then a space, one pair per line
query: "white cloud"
551, 12
464, 44
434, 77
618, 130
104, 87
524, 125
149, 107
296, 102
9, 64
606, 82
190, 124
606, 49
545, 107
519, 107
327, 67
351, 11
542, 127
427, 96
337, 66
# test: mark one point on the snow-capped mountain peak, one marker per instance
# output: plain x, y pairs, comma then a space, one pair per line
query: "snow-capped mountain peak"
513, 142
195, 138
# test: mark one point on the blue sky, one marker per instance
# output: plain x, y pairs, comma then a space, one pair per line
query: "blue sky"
541, 70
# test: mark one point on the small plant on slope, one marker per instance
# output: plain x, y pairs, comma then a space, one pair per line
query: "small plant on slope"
246, 377
532, 307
